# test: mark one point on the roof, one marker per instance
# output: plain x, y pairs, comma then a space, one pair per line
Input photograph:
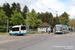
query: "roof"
17, 26
45, 25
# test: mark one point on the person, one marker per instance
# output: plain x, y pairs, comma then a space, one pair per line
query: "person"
49, 30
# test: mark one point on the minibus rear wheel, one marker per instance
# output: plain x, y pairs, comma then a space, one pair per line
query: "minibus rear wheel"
16, 34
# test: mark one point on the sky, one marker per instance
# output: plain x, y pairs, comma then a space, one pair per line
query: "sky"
52, 6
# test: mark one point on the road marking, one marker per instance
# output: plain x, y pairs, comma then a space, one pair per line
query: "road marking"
58, 36
68, 34
72, 34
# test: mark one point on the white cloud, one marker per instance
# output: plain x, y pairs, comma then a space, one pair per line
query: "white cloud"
72, 12
73, 1
53, 4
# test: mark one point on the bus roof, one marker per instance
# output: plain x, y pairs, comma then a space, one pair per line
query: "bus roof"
58, 25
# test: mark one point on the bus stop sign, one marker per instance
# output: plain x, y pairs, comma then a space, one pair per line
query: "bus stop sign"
66, 26
4, 27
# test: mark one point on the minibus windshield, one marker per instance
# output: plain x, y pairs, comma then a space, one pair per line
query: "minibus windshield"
23, 28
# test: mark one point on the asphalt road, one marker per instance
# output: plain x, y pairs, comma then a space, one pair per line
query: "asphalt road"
38, 42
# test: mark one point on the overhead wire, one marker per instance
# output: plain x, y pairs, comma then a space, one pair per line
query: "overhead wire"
42, 6
46, 6
33, 5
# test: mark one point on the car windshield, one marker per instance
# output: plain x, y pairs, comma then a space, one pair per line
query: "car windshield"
15, 29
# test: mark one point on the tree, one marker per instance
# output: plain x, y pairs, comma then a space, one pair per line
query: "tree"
64, 18
3, 18
14, 6
71, 22
18, 7
25, 10
0, 7
55, 21
32, 19
46, 17
7, 9
16, 18
61, 19
50, 19
41, 16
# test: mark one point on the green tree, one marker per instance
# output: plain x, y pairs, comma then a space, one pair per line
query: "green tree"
32, 19
71, 22
41, 16
45, 17
25, 10
16, 18
0, 7
64, 18
55, 21
18, 7
61, 19
14, 6
7, 9
3, 18
50, 19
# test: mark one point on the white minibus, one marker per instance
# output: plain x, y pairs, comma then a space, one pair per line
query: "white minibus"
18, 30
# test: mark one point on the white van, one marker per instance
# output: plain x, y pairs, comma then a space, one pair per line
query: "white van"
18, 30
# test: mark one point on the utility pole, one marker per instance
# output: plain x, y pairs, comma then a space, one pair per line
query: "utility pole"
27, 24
7, 24
56, 14
7, 19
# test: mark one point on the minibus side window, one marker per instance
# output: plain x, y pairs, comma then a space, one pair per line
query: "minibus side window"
15, 29
23, 28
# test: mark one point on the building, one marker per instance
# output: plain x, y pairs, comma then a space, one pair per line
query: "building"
44, 27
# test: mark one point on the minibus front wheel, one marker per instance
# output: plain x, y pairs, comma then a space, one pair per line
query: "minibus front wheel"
9, 34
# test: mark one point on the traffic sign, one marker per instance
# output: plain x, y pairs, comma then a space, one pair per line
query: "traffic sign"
4, 27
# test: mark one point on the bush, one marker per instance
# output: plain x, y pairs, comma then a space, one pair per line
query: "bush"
31, 32
35, 29
2, 30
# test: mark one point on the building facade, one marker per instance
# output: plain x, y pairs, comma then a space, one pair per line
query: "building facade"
44, 27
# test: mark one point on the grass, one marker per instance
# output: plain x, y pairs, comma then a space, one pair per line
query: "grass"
2, 33
35, 29
31, 32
